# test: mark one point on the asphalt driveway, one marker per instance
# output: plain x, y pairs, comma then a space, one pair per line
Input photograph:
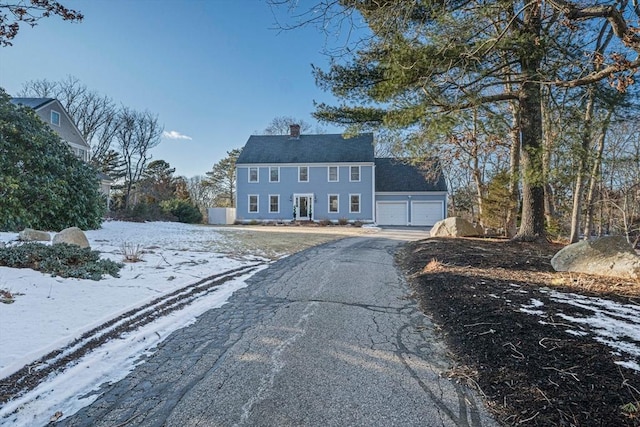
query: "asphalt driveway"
326, 337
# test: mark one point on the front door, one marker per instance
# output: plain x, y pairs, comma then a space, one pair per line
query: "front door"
303, 208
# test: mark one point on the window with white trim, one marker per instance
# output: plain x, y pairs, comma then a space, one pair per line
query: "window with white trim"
303, 173
80, 153
354, 174
253, 203
354, 203
274, 174
274, 203
333, 203
253, 174
55, 118
332, 173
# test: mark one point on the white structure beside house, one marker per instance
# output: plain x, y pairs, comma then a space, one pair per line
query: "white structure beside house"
52, 112
221, 216
329, 177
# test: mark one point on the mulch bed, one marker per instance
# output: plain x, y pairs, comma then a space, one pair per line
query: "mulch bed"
530, 370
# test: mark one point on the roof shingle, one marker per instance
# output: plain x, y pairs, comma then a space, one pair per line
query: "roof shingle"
33, 103
394, 175
324, 148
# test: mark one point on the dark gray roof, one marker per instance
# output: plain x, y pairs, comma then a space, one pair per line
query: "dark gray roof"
329, 148
400, 175
34, 103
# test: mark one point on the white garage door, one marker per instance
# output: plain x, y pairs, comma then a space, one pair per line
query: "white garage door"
426, 213
391, 213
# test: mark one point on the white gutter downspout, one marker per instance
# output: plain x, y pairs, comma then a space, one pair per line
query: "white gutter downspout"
373, 192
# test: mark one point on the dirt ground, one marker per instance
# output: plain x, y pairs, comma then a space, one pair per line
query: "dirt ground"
532, 366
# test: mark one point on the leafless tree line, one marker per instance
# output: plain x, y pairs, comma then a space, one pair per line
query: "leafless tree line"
120, 137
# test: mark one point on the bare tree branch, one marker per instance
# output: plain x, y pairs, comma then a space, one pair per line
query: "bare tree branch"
30, 12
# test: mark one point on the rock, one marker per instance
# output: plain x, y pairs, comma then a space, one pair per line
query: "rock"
31, 235
456, 227
72, 236
608, 256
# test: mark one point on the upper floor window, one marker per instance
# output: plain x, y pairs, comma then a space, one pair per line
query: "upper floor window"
354, 175
333, 173
354, 205
253, 174
303, 174
333, 203
274, 174
55, 118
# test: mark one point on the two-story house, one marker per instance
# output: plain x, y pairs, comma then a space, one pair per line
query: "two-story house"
318, 177
52, 112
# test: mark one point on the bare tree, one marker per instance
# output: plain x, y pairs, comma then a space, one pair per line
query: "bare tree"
94, 114
621, 180
30, 12
280, 125
137, 133
201, 194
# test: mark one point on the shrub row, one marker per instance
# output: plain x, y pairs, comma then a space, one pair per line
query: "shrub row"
59, 260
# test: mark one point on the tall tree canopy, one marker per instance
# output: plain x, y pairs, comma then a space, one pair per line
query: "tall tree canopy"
423, 62
157, 182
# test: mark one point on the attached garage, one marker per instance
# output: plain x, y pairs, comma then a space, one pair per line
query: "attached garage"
426, 213
392, 213
408, 194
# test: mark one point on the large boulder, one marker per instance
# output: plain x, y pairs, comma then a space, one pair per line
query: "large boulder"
607, 256
455, 227
72, 236
31, 235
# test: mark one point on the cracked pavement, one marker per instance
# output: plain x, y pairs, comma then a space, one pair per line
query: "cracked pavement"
326, 337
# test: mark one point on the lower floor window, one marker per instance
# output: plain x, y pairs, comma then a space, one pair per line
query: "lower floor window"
354, 205
253, 203
333, 203
274, 204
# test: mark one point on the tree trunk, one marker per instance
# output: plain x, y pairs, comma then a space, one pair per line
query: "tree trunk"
548, 139
532, 223
583, 159
511, 226
477, 179
595, 175
476, 172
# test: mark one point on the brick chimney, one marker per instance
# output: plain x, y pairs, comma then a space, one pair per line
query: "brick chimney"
295, 131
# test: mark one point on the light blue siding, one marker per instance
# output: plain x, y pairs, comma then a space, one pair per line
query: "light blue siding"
318, 187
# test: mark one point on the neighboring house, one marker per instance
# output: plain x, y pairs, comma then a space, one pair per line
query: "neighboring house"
318, 177
52, 112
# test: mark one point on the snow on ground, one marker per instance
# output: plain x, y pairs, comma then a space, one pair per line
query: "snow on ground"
50, 312
611, 323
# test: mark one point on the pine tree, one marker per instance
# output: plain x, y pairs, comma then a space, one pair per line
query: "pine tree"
222, 179
424, 61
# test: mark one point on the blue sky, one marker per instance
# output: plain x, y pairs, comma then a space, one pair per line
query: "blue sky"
215, 71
